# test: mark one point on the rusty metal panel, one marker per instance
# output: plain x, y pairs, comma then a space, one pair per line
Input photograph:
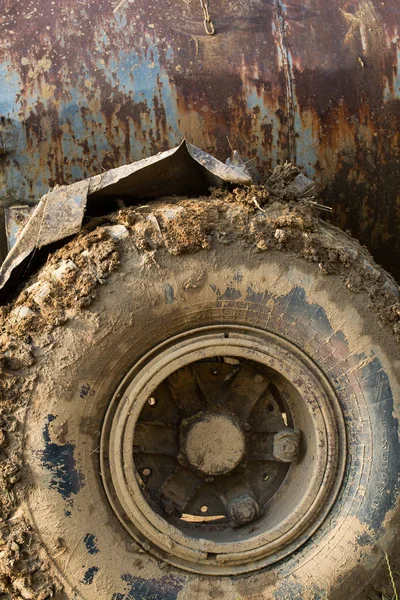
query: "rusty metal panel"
344, 61
88, 86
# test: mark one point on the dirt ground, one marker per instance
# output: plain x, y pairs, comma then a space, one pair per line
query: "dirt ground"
271, 217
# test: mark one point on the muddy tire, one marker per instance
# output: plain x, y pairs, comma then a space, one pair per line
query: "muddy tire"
128, 482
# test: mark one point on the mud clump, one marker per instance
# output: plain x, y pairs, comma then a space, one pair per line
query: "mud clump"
268, 218
64, 286
272, 217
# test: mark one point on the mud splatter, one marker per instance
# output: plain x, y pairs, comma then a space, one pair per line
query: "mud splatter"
25, 570
272, 217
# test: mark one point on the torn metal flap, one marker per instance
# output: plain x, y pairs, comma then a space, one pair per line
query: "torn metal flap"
184, 170
237, 162
58, 215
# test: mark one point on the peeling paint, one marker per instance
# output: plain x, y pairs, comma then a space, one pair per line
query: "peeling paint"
230, 294
88, 577
90, 542
166, 588
169, 293
99, 88
84, 391
60, 461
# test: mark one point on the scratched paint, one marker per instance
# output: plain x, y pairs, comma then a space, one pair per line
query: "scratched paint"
85, 89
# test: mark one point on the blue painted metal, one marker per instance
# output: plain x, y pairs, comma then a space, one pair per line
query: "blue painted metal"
89, 86
15, 218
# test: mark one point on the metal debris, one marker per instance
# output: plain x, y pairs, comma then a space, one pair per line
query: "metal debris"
184, 170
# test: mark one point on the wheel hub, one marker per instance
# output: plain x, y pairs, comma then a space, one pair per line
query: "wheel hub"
223, 450
213, 444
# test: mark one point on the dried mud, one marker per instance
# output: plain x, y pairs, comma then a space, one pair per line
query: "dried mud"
268, 217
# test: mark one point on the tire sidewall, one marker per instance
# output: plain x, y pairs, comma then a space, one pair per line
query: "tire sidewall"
140, 308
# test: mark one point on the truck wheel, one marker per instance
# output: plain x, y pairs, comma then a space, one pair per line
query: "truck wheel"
221, 422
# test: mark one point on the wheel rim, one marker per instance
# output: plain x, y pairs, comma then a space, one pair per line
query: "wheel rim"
223, 450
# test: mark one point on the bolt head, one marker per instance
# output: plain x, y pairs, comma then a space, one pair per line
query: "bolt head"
243, 509
286, 445
258, 378
290, 449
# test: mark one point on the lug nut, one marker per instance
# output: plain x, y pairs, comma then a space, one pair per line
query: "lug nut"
286, 445
258, 378
290, 449
243, 509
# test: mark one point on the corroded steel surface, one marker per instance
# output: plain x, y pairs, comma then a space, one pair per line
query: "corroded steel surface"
87, 86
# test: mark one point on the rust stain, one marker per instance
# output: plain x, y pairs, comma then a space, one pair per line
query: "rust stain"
87, 88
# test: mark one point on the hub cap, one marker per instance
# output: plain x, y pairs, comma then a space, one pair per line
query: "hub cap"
214, 444
223, 450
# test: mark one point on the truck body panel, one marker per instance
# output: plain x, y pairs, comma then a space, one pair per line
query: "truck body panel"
89, 86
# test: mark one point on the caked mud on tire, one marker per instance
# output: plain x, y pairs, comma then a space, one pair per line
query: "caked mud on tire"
195, 290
